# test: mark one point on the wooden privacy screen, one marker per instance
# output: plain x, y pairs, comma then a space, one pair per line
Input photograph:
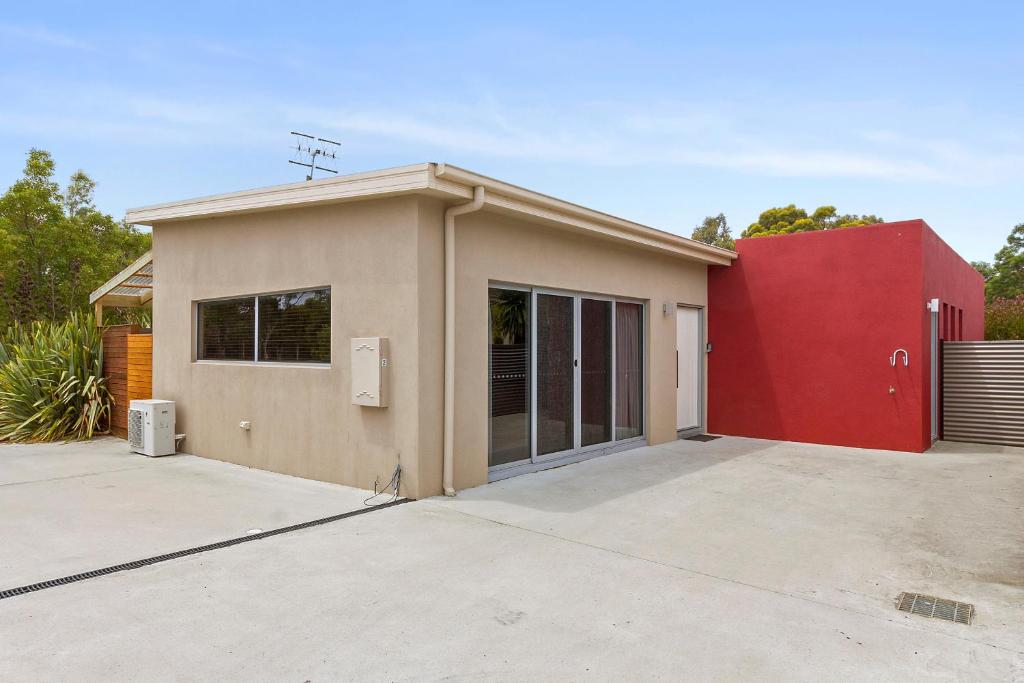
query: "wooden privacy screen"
140, 367
128, 367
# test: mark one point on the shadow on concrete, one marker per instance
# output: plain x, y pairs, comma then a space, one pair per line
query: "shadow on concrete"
595, 482
964, 448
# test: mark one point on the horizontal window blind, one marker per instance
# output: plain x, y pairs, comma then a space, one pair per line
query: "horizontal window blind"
227, 329
295, 327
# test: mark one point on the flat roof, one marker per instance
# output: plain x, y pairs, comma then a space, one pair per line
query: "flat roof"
443, 181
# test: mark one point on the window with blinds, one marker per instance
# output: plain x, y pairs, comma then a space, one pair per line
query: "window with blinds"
227, 329
293, 327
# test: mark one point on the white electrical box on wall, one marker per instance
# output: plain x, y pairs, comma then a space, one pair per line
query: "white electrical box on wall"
370, 371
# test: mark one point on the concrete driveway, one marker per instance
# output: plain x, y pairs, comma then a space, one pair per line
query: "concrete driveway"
74, 507
735, 559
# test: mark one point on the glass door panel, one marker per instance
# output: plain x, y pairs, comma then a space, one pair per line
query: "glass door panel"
566, 372
555, 373
629, 370
595, 371
509, 376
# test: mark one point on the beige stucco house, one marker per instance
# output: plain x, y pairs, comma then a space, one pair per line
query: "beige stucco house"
522, 331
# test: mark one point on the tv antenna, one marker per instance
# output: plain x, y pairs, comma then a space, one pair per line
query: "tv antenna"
316, 154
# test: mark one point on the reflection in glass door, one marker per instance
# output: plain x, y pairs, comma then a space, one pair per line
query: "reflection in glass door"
554, 374
629, 370
595, 371
509, 370
566, 375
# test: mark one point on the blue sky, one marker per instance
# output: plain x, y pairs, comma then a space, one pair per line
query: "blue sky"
659, 112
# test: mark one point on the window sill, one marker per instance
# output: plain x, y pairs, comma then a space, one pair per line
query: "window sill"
265, 364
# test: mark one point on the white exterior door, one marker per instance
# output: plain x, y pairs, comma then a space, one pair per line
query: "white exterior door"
688, 368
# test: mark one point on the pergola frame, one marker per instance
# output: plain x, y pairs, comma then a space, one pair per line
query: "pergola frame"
131, 288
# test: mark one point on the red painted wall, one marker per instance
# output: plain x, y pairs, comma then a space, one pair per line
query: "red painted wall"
961, 291
803, 326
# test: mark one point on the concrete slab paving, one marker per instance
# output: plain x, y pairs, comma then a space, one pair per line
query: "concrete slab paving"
842, 526
73, 507
422, 592
743, 560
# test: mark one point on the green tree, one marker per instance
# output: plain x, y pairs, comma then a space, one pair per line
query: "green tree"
1004, 318
509, 313
55, 247
786, 220
715, 230
1006, 280
985, 268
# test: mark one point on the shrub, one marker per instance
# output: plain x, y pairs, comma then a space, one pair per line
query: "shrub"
142, 317
1004, 318
51, 381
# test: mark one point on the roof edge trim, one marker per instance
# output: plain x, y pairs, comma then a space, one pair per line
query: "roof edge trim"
438, 180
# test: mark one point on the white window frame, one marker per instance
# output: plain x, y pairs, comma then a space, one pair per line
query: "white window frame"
256, 331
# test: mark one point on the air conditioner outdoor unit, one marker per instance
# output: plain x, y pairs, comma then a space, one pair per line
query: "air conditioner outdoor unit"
151, 427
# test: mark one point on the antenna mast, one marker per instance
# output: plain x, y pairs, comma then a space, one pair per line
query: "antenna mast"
316, 154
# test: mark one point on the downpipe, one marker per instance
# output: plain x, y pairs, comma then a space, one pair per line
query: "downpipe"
448, 467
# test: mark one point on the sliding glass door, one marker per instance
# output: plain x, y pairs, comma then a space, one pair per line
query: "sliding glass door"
509, 376
566, 375
629, 370
595, 371
555, 372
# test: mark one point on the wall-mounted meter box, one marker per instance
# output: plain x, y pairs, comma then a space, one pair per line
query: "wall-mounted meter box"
370, 371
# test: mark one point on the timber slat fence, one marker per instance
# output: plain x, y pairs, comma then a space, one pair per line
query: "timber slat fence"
128, 367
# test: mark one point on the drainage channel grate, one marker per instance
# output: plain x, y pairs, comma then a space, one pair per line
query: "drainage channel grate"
138, 564
935, 608
703, 437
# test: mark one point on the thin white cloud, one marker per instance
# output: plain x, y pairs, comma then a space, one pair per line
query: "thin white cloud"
1001, 158
641, 140
596, 134
43, 36
219, 49
818, 163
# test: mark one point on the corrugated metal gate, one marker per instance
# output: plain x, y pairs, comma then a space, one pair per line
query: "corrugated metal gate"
983, 392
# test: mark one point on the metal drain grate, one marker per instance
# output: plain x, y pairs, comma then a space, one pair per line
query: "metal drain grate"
703, 437
138, 564
935, 608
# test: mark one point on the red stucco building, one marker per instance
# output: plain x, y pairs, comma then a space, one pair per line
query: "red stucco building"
804, 329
